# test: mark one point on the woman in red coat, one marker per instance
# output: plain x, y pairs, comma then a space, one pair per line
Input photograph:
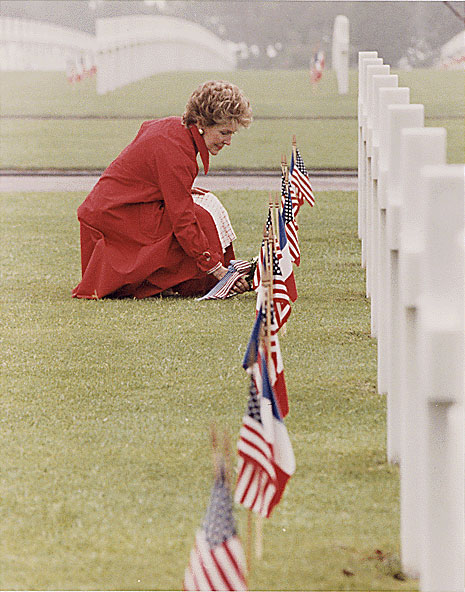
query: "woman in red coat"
141, 231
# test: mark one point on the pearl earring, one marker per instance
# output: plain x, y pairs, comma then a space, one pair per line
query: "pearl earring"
200, 131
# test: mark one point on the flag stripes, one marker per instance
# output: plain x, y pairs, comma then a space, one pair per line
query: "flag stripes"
300, 181
222, 568
223, 289
217, 560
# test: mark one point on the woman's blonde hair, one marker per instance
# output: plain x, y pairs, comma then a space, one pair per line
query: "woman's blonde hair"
217, 102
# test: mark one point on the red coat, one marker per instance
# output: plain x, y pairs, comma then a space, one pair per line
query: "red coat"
141, 232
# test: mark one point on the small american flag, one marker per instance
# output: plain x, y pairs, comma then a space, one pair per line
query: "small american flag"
266, 457
285, 259
291, 228
281, 298
300, 181
217, 561
223, 289
257, 275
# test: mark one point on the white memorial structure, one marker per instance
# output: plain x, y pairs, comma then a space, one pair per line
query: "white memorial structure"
35, 45
124, 49
340, 53
133, 47
412, 228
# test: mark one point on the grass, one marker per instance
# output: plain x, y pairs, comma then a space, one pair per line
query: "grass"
106, 409
279, 94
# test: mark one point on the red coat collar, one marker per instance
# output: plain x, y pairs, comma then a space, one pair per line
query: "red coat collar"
201, 147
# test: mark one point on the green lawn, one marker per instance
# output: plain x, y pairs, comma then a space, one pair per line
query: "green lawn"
324, 143
106, 408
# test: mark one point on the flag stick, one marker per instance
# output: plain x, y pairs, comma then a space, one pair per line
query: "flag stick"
272, 213
259, 537
215, 453
285, 176
285, 173
294, 147
249, 541
268, 285
227, 457
276, 208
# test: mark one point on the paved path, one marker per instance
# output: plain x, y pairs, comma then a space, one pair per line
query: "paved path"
63, 183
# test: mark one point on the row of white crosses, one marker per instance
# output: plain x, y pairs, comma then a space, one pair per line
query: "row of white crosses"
411, 226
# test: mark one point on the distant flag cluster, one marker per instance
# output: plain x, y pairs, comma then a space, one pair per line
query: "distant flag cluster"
266, 458
317, 65
79, 68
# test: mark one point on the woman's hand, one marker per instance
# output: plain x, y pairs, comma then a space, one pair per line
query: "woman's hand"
241, 284
219, 273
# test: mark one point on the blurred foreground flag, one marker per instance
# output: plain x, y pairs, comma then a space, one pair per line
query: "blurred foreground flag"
217, 561
299, 180
266, 457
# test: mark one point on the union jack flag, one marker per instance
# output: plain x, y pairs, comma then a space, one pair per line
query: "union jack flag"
299, 180
266, 457
217, 561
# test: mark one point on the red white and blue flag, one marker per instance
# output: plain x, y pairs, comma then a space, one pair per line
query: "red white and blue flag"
290, 225
238, 268
285, 259
266, 457
217, 560
317, 65
299, 181
276, 367
280, 295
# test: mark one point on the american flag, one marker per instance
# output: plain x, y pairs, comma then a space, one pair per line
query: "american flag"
276, 367
299, 180
317, 66
257, 274
291, 228
217, 561
285, 259
223, 289
266, 457
280, 296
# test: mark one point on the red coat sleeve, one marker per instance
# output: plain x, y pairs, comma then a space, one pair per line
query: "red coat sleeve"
174, 169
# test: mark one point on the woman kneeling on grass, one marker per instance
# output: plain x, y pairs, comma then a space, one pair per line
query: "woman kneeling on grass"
144, 229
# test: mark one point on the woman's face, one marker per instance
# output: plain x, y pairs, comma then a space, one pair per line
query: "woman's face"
219, 135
